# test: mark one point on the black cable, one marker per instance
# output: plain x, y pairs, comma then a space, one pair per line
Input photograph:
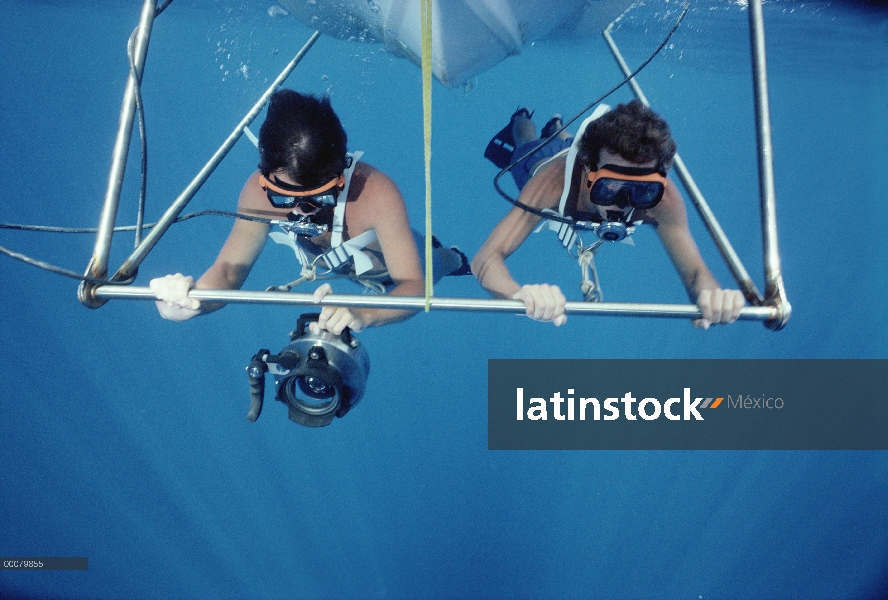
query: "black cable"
200, 213
161, 8
59, 270
551, 215
143, 138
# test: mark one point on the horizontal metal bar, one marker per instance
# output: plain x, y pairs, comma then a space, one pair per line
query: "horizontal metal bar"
616, 309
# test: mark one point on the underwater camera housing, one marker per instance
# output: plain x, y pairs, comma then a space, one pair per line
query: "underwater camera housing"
317, 375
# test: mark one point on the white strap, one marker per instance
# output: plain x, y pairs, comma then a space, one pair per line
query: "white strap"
334, 257
353, 248
251, 135
572, 154
566, 233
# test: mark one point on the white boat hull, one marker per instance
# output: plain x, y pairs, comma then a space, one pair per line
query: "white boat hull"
468, 36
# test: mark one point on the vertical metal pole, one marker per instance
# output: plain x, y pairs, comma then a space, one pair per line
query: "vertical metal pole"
98, 266
775, 294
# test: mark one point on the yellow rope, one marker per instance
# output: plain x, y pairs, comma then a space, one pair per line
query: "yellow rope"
426, 24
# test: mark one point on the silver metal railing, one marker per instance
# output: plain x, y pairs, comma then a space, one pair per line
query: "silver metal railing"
775, 294
615, 309
98, 266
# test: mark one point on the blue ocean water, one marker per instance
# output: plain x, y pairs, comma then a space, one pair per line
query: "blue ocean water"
124, 437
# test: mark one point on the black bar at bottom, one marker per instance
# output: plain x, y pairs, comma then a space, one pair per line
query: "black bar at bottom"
44, 563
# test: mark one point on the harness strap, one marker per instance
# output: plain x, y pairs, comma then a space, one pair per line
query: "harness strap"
566, 233
338, 255
600, 110
289, 239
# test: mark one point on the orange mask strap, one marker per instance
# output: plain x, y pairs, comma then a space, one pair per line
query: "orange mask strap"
605, 173
269, 185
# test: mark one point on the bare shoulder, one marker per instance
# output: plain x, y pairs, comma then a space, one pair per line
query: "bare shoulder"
369, 180
371, 188
374, 201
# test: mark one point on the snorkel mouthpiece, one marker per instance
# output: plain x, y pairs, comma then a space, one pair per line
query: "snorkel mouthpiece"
302, 225
612, 231
318, 376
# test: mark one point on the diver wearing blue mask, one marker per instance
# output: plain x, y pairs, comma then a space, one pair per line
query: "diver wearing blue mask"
608, 179
341, 216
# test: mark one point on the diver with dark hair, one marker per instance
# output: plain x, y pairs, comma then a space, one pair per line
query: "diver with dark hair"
608, 179
342, 218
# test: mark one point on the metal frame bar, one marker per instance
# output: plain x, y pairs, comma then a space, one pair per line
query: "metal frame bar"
99, 263
98, 266
615, 309
775, 295
774, 313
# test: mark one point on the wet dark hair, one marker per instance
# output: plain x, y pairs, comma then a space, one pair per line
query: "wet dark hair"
303, 136
631, 130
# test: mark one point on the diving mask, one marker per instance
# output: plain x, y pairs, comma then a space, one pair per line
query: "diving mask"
286, 195
613, 185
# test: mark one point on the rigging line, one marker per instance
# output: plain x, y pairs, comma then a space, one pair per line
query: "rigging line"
426, 24
200, 213
98, 281
143, 136
161, 8
59, 270
556, 217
